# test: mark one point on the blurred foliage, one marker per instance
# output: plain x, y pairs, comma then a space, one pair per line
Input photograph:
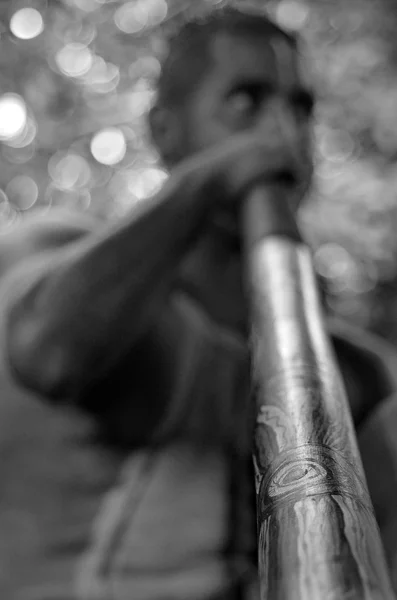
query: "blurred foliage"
76, 79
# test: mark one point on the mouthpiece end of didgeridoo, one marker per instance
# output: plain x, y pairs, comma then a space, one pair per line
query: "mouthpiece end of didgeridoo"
266, 213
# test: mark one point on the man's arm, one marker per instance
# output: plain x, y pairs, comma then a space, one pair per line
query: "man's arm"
73, 310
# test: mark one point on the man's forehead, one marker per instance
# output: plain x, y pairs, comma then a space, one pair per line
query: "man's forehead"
285, 59
271, 56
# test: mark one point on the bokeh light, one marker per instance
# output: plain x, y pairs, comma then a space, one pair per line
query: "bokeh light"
8, 214
335, 145
71, 200
26, 136
334, 262
27, 23
102, 77
143, 184
22, 192
13, 116
109, 146
69, 171
140, 99
18, 156
74, 59
134, 17
291, 14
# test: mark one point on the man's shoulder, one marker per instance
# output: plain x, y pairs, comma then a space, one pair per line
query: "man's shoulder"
37, 233
53, 228
368, 363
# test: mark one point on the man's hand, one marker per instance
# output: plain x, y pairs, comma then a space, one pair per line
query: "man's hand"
212, 273
230, 170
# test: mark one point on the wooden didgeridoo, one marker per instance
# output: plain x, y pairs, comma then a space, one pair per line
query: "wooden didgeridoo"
317, 534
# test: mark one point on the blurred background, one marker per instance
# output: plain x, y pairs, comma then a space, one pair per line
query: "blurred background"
76, 80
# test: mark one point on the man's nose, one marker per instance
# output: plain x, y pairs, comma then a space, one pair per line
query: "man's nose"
278, 123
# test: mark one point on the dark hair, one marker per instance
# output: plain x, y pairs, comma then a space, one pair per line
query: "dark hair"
189, 58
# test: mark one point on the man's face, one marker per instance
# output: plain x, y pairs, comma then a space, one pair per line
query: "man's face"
253, 85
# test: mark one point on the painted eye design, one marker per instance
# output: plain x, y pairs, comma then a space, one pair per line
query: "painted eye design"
296, 474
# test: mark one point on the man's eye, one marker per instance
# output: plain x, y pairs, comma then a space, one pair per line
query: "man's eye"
242, 103
245, 101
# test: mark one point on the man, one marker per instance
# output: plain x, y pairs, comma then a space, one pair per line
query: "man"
133, 338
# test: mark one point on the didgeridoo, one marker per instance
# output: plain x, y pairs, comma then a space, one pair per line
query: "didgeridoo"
317, 534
